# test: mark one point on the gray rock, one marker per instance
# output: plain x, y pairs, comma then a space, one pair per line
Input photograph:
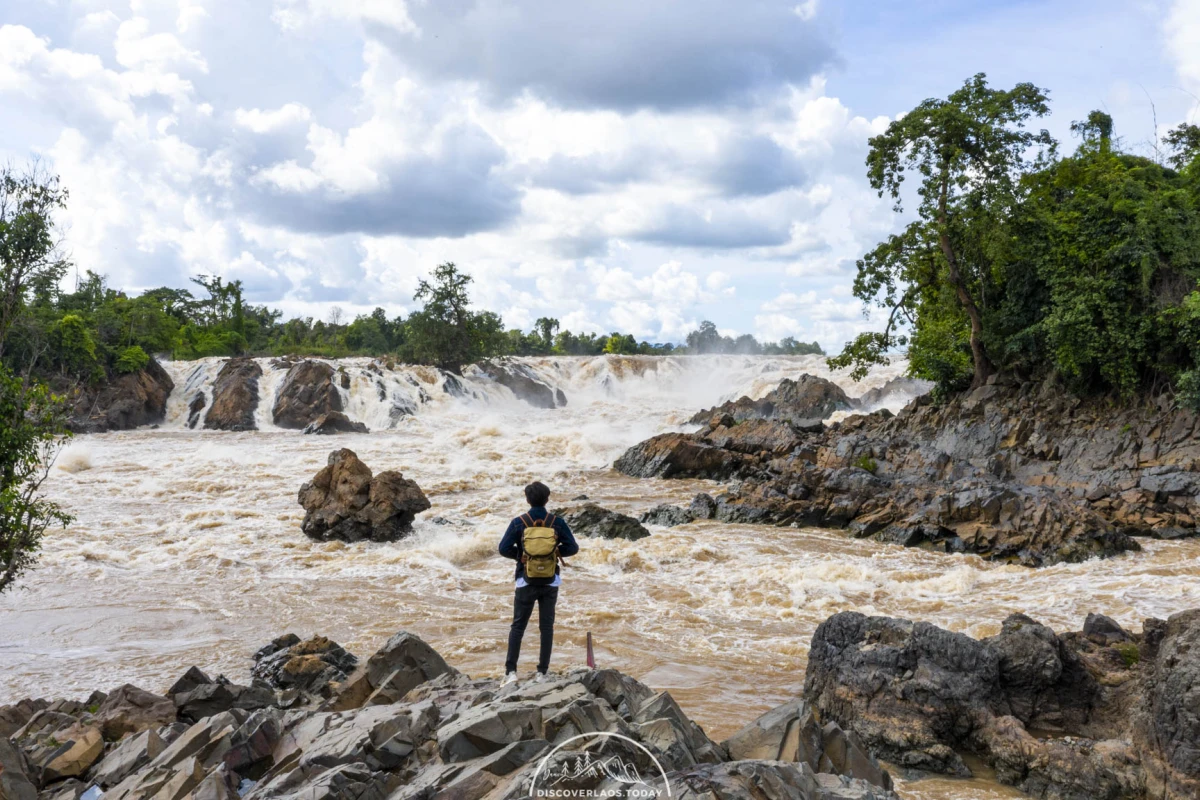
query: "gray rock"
346, 502
16, 782
667, 515
307, 667
401, 665
130, 755
235, 396
592, 520
485, 730
306, 393
334, 422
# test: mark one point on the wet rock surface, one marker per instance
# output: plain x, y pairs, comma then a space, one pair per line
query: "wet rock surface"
522, 381
592, 520
1093, 714
404, 724
125, 402
345, 501
1015, 472
334, 422
804, 401
308, 391
235, 396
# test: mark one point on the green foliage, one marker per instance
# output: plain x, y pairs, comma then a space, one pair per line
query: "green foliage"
1084, 266
132, 359
1188, 389
969, 153
865, 462
707, 339
1130, 653
32, 427
446, 332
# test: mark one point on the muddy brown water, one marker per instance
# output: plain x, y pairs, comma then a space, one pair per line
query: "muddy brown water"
187, 550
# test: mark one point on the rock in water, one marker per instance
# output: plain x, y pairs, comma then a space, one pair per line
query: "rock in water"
344, 501
125, 402
804, 401
235, 396
335, 422
592, 520
519, 379
307, 392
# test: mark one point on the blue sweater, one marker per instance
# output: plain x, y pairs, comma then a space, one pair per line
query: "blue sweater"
510, 545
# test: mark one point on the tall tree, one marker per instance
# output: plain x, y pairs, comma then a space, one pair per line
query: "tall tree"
969, 152
31, 259
446, 332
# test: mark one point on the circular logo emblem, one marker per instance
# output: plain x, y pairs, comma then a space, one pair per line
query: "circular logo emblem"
600, 766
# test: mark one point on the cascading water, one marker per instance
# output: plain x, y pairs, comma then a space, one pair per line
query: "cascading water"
186, 547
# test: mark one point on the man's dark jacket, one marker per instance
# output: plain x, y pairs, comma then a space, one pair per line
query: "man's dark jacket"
510, 545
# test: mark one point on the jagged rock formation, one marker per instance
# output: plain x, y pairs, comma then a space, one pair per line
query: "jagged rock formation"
235, 396
801, 402
345, 501
521, 381
1101, 713
308, 391
125, 402
592, 520
405, 725
1024, 473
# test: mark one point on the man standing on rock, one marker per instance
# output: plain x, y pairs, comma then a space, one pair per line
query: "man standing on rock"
537, 540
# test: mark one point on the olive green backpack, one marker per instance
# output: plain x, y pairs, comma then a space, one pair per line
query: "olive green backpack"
539, 542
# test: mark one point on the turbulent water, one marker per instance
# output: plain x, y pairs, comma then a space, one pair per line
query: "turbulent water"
187, 548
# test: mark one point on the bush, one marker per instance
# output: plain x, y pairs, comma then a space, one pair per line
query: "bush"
1187, 389
867, 463
132, 359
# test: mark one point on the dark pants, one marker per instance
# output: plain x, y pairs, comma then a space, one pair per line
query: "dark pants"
526, 597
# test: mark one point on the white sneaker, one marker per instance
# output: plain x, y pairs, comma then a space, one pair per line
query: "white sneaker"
509, 678
540, 677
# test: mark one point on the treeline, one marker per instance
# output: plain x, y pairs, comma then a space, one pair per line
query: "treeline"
96, 330
1085, 267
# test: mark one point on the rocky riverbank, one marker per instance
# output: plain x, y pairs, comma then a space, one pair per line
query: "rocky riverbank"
1100, 714
318, 724
1022, 472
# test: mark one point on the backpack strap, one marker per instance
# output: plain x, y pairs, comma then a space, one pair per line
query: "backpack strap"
550, 520
527, 520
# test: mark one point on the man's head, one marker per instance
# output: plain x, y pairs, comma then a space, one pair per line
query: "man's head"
538, 494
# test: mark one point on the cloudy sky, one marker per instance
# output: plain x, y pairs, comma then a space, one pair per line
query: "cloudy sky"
620, 164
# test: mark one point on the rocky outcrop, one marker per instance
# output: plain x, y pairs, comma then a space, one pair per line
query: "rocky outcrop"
1101, 713
897, 391
802, 402
124, 402
303, 669
1022, 473
234, 396
335, 422
522, 381
308, 391
345, 501
406, 725
592, 520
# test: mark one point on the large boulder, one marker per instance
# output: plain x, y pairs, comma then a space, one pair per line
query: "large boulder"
804, 401
769, 780
345, 501
519, 379
15, 781
129, 709
124, 402
308, 667
334, 422
308, 392
1102, 713
401, 665
235, 396
592, 520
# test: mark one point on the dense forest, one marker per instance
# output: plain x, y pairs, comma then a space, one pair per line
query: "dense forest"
1085, 267
96, 330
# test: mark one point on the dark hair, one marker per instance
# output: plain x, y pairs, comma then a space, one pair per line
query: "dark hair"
537, 493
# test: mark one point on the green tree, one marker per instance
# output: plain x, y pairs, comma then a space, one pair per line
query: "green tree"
446, 332
546, 328
969, 153
30, 257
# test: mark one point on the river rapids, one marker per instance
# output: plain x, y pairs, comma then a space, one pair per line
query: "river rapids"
186, 547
